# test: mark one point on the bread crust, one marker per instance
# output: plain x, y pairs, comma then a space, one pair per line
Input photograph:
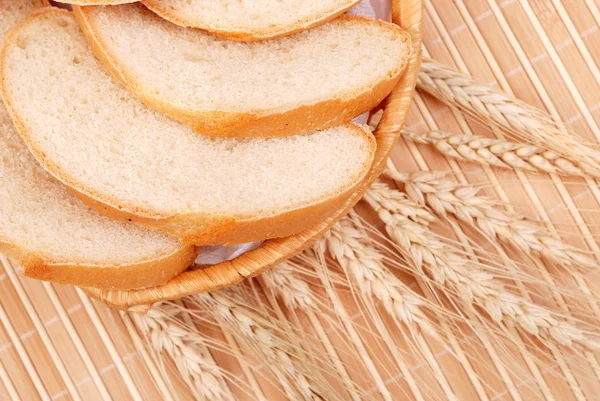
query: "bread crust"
251, 35
142, 274
258, 123
203, 229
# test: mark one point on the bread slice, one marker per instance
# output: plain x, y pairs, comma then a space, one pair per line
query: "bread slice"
131, 162
250, 20
312, 80
55, 236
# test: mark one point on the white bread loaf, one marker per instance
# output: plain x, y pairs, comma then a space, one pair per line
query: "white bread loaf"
54, 235
311, 80
131, 162
249, 20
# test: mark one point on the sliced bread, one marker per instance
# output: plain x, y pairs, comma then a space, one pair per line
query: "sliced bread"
249, 20
54, 235
311, 80
131, 162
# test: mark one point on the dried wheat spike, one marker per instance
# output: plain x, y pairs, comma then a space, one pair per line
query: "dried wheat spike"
501, 153
227, 305
475, 287
513, 116
182, 346
351, 248
284, 282
394, 201
446, 197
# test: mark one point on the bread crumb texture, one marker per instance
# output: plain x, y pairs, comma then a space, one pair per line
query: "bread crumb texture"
86, 125
189, 68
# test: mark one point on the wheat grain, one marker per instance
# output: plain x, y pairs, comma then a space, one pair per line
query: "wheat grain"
230, 308
181, 345
513, 116
473, 286
284, 282
395, 201
446, 197
502, 153
350, 247
349, 244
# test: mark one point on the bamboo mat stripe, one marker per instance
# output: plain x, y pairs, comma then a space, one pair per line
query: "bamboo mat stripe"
56, 344
503, 196
462, 66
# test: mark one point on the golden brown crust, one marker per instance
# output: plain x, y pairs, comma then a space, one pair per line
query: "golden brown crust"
143, 274
259, 123
322, 115
267, 32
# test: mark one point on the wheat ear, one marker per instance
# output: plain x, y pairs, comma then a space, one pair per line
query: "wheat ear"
394, 201
348, 244
284, 282
501, 153
446, 197
166, 336
228, 306
350, 247
513, 116
473, 286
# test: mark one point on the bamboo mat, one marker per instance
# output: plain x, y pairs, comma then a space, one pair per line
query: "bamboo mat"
57, 344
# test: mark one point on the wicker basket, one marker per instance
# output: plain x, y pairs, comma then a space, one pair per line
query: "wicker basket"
409, 15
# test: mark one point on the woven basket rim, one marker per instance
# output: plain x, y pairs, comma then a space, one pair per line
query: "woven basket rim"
409, 15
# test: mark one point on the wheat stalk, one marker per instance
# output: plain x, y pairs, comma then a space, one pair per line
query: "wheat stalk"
349, 244
502, 153
509, 114
228, 307
284, 282
350, 247
473, 286
199, 373
446, 197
